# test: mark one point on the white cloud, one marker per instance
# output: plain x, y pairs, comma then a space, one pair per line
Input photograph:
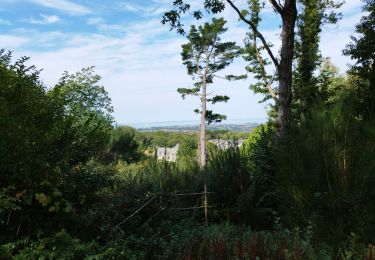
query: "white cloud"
64, 5
95, 21
5, 22
45, 19
130, 7
351, 6
150, 10
12, 42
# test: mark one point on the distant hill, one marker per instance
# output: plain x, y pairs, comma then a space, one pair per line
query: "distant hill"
240, 127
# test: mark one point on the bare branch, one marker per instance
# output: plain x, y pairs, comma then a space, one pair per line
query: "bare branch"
220, 77
135, 212
198, 207
277, 6
258, 34
264, 76
157, 213
182, 194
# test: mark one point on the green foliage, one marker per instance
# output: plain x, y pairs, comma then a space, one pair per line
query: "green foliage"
164, 138
260, 201
28, 151
251, 53
330, 83
180, 7
228, 178
326, 176
123, 144
83, 96
314, 15
187, 153
308, 195
85, 109
362, 50
362, 47
47, 138
26, 116
187, 240
8, 203
59, 246
205, 55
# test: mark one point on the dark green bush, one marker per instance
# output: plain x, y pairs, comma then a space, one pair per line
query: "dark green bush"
326, 174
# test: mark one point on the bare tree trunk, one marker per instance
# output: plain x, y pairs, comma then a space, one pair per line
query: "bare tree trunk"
202, 142
205, 201
202, 127
289, 15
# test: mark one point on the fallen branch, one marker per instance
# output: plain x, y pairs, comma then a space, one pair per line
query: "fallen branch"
183, 194
199, 207
135, 212
157, 213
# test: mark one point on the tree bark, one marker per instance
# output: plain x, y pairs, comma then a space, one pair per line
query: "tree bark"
202, 141
288, 15
202, 127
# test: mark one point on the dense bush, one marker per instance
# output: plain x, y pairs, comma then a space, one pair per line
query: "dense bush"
123, 145
327, 175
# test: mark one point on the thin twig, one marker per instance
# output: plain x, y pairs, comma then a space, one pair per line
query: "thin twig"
220, 77
135, 212
19, 225
8, 220
157, 213
198, 207
183, 194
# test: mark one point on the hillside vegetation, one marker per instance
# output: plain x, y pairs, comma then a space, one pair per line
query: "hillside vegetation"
73, 186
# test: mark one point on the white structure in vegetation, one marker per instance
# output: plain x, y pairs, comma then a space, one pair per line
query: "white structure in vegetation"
225, 144
168, 154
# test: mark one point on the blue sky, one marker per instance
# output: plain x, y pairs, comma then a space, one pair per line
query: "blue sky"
138, 58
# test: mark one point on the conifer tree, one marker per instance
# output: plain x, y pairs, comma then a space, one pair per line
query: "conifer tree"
205, 55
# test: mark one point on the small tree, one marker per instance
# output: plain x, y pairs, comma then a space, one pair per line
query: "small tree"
123, 144
85, 108
205, 55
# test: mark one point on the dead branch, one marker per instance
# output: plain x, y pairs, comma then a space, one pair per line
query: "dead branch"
190, 208
135, 212
263, 69
257, 33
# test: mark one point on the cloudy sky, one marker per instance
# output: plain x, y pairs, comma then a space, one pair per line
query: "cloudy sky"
137, 57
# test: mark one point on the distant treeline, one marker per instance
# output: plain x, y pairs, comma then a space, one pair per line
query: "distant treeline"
246, 127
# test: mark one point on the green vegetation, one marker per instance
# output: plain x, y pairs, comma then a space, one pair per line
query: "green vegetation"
73, 186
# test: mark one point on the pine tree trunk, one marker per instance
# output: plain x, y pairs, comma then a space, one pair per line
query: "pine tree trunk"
289, 16
202, 127
202, 143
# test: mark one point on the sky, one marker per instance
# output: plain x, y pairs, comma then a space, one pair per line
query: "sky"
137, 57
